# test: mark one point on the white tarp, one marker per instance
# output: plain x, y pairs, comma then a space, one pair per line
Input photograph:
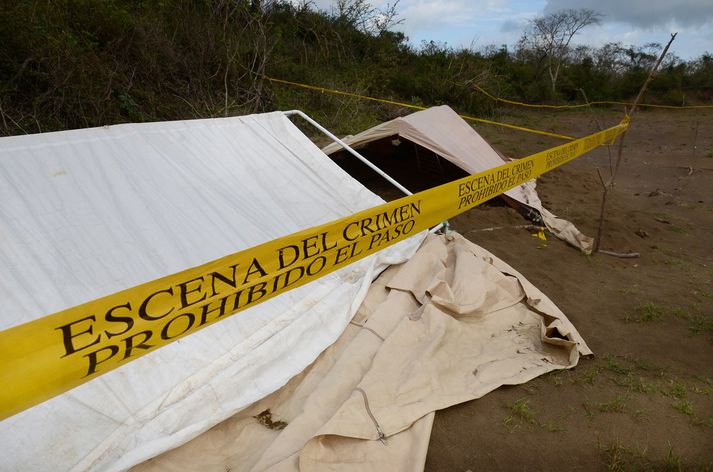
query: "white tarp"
443, 132
91, 212
450, 325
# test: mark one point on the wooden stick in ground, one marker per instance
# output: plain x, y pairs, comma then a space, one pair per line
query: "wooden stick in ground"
494, 228
617, 163
600, 128
695, 137
623, 255
605, 192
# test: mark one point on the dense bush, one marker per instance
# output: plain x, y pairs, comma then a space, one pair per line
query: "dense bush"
80, 63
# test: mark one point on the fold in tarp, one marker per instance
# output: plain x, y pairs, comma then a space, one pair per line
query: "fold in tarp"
442, 131
91, 212
450, 325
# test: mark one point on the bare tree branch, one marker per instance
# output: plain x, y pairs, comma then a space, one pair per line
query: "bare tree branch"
551, 35
612, 178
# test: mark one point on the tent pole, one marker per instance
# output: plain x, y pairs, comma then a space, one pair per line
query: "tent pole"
348, 148
351, 151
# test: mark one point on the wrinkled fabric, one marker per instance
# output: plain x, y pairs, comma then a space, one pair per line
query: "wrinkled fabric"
561, 228
442, 131
448, 326
91, 212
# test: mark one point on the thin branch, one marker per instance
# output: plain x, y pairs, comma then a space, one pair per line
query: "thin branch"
589, 107
651, 74
601, 128
601, 179
620, 149
528, 227
2, 112
2, 115
623, 255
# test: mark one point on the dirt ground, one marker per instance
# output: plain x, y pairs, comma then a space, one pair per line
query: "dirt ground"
645, 401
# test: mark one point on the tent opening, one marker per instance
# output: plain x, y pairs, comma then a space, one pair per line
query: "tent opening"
435, 146
416, 167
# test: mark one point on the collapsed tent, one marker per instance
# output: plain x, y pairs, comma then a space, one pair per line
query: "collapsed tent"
297, 381
440, 131
90, 212
450, 325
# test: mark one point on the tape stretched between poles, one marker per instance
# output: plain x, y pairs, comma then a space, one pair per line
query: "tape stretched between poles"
418, 107
50, 355
586, 105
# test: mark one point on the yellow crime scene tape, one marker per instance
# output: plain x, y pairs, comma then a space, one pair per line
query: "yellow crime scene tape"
50, 355
584, 105
418, 107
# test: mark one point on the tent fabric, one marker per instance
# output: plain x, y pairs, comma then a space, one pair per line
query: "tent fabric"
450, 325
563, 229
90, 212
442, 131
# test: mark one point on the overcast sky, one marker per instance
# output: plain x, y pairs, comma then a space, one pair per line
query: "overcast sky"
462, 23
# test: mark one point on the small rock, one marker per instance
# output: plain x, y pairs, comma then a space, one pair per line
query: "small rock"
641, 233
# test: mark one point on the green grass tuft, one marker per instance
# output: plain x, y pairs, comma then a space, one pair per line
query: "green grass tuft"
673, 461
644, 314
684, 406
590, 376
520, 412
678, 390
617, 366
615, 405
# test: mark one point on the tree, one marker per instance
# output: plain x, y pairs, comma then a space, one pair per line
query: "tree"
362, 15
550, 36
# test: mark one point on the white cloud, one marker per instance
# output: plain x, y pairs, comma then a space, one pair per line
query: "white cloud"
434, 14
431, 14
516, 25
466, 23
645, 14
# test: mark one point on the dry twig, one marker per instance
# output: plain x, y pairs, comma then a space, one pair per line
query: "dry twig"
610, 184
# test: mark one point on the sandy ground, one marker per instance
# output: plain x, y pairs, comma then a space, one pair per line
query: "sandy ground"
645, 401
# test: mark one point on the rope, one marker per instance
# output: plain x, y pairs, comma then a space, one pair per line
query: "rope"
418, 107
583, 105
380, 432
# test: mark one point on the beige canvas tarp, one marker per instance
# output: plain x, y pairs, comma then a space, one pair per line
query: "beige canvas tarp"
450, 325
442, 131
